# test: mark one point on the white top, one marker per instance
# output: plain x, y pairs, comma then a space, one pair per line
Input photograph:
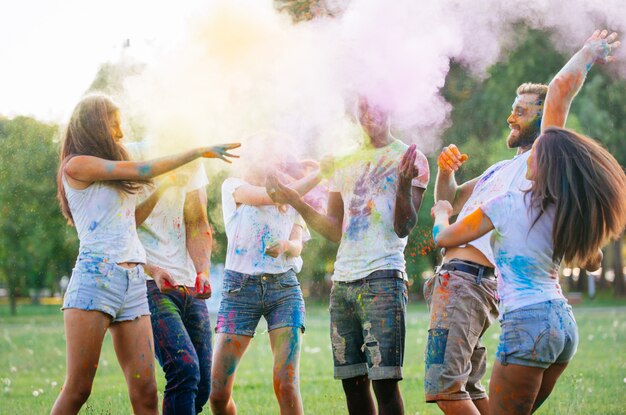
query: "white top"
367, 182
163, 233
523, 251
250, 229
495, 181
105, 220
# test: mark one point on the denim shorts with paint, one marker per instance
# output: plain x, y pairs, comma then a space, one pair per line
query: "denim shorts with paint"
538, 335
367, 326
245, 298
462, 307
107, 287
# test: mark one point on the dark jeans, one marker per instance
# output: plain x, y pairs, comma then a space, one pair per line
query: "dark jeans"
182, 342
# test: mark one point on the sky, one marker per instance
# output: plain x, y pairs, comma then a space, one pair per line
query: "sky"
50, 50
220, 70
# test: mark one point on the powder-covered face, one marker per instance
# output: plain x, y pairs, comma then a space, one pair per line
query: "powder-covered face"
116, 127
525, 120
256, 174
373, 119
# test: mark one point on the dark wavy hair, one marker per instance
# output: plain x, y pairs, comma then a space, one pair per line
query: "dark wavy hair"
89, 133
588, 188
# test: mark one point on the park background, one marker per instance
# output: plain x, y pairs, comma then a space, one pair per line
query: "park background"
38, 249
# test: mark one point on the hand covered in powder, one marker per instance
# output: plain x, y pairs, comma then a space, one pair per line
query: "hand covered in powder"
276, 249
451, 159
407, 170
203, 286
219, 151
161, 277
601, 44
441, 208
278, 192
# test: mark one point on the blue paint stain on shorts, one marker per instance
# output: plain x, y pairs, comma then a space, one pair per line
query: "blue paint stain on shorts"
436, 348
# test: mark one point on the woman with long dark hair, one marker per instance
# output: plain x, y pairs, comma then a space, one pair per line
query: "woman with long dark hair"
97, 187
577, 202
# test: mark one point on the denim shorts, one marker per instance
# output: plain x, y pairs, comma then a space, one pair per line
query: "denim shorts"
245, 298
107, 287
538, 335
367, 326
462, 308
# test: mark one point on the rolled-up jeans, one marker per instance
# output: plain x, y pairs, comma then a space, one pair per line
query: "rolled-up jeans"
368, 326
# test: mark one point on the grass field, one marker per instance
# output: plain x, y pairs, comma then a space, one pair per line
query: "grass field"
32, 367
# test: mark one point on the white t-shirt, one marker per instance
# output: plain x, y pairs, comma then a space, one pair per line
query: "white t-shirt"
367, 182
523, 251
495, 181
163, 233
251, 229
104, 217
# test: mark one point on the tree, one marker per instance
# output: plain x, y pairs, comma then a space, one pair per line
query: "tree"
36, 245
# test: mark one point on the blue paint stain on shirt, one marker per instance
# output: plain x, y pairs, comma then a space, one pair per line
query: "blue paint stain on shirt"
521, 269
93, 226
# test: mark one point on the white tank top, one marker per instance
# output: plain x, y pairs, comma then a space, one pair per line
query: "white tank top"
105, 220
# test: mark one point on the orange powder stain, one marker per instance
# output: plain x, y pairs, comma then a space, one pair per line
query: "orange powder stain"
236, 344
289, 376
473, 221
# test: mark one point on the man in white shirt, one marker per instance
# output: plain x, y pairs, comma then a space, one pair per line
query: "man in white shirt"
374, 197
462, 295
177, 240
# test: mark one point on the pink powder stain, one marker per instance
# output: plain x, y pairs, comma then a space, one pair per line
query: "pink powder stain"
231, 317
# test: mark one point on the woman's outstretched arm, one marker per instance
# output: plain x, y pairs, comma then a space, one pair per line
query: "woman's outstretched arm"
471, 227
91, 169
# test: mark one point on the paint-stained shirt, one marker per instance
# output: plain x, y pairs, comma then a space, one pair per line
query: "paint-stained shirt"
495, 181
104, 217
251, 229
523, 251
367, 181
163, 234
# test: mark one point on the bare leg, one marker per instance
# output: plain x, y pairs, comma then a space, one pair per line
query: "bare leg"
229, 348
482, 405
134, 347
513, 389
359, 396
461, 407
285, 344
388, 397
84, 332
550, 376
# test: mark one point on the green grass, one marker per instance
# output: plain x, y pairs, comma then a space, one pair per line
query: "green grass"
32, 362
